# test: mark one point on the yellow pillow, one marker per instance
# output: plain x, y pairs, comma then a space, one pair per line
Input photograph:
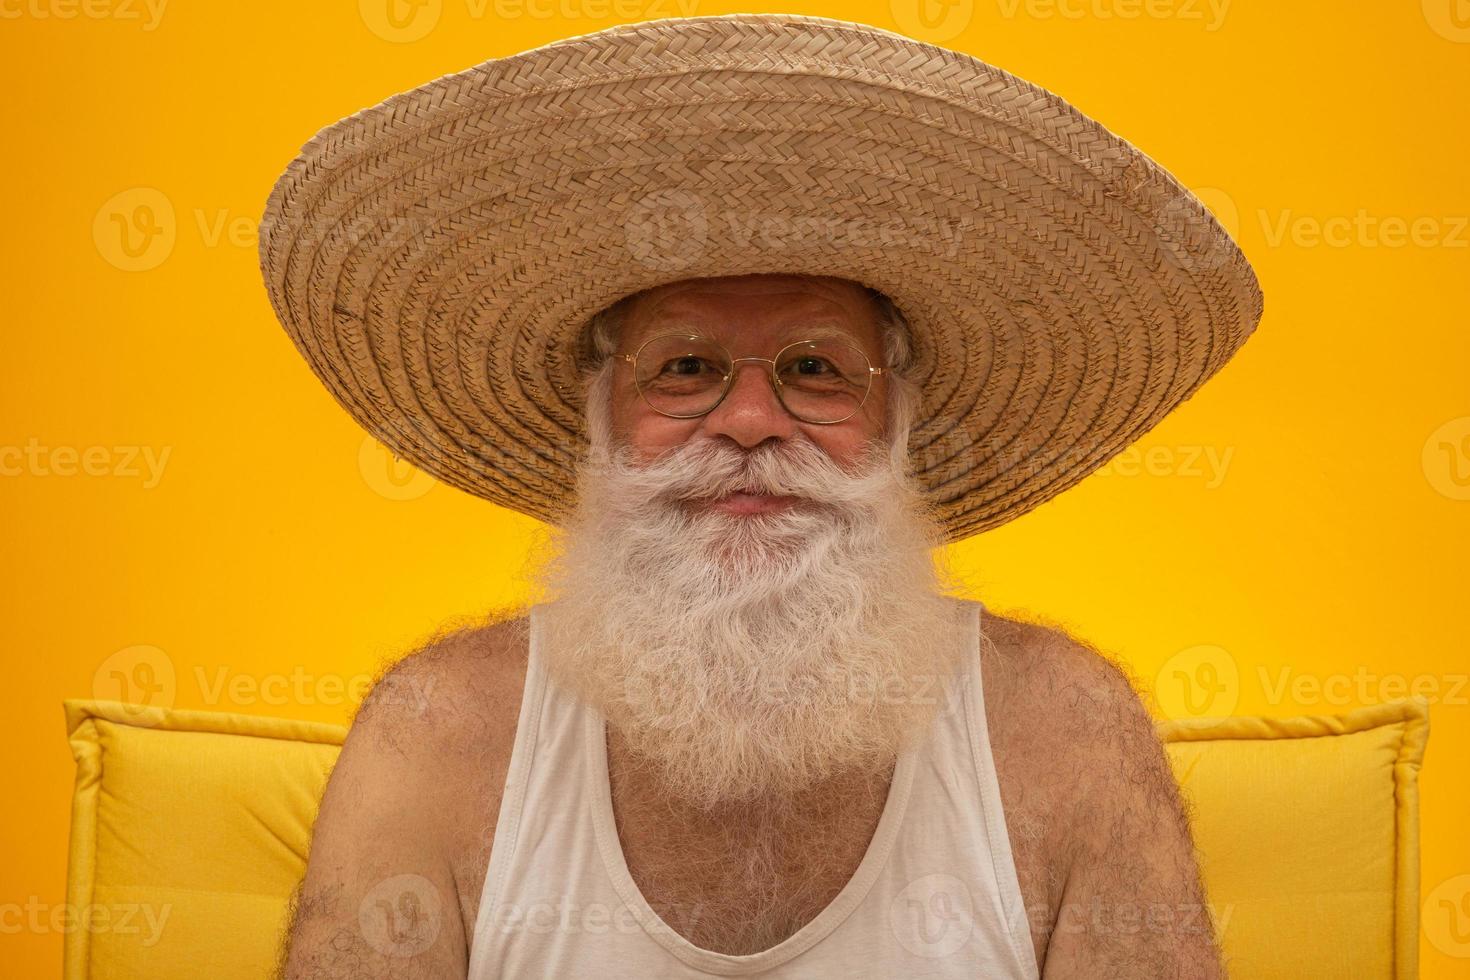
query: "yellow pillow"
1308, 832
190, 830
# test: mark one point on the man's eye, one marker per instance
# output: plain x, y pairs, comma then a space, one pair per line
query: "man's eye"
809, 366
685, 365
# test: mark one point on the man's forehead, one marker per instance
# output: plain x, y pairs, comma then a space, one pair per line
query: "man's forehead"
746, 305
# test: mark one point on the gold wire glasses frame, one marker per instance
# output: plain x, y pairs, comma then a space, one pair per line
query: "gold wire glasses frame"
699, 390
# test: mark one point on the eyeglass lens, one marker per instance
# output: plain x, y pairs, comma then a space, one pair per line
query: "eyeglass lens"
818, 380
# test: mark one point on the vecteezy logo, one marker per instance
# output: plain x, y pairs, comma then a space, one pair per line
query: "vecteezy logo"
1446, 459
667, 228
141, 677
933, 916
1446, 917
1197, 682
387, 475
1190, 240
932, 20
400, 21
401, 916
135, 230
1450, 19
644, 699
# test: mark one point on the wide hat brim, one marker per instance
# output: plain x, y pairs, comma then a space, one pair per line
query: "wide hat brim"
436, 257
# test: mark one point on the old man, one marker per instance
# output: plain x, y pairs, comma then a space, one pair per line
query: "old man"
749, 726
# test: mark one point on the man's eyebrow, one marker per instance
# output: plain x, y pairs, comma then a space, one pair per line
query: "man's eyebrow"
827, 331
791, 333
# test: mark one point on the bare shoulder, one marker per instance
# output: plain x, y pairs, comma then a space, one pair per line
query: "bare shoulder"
419, 761
1051, 702
458, 685
1069, 721
1037, 672
452, 705
1100, 830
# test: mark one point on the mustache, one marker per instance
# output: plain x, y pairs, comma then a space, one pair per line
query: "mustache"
708, 469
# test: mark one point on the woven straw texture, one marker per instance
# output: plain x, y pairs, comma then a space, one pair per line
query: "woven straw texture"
435, 257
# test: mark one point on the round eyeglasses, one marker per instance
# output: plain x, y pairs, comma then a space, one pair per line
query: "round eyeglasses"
685, 376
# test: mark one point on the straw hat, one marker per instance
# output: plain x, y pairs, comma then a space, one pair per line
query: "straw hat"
435, 258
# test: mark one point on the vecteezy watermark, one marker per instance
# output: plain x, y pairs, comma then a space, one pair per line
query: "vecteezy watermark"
933, 916
400, 21
142, 919
405, 21
401, 916
671, 229
142, 677
1205, 463
136, 230
1198, 682
1207, 681
1190, 243
1210, 14
934, 21
1446, 459
388, 476
556, 914
1445, 917
116, 462
1450, 19
1131, 918
1362, 686
1189, 221
299, 687
148, 14
644, 692
1363, 229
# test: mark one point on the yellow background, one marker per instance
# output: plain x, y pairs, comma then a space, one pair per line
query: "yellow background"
1291, 541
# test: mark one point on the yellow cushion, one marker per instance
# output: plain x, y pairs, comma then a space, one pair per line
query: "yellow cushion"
189, 832
1308, 832
195, 825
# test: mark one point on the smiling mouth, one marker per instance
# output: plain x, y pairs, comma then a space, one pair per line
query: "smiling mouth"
750, 502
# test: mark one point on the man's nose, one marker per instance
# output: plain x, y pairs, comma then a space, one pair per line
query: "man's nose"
750, 412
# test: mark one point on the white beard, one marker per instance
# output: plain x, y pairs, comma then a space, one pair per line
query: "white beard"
748, 658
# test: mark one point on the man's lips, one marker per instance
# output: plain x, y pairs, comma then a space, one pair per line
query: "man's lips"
750, 503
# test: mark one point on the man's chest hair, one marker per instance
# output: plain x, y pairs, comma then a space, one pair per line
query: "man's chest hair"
746, 880
1042, 721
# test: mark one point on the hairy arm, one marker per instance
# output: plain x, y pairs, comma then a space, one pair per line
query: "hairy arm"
1133, 904
379, 896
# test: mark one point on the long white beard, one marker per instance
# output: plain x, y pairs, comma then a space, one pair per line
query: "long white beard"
747, 658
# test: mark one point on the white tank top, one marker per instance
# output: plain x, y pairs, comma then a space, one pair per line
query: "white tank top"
935, 895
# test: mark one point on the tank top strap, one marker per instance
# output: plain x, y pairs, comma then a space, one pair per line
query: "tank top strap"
987, 780
513, 797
